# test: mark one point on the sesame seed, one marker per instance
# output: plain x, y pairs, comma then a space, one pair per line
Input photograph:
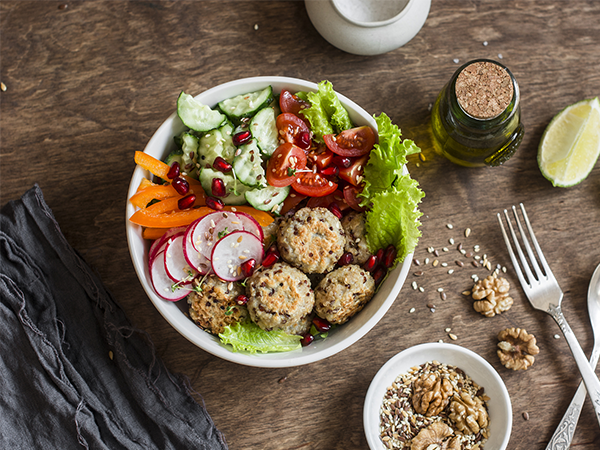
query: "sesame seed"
556, 336
467, 232
449, 226
452, 336
411, 310
440, 290
451, 241
414, 285
421, 289
448, 330
451, 271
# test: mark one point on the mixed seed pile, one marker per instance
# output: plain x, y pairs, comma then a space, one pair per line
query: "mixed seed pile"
455, 416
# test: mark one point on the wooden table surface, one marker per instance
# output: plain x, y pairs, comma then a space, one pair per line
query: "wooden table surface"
87, 84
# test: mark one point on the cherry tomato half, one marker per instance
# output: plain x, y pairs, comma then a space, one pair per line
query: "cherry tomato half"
354, 173
283, 164
321, 156
354, 142
290, 126
290, 103
335, 197
313, 185
351, 197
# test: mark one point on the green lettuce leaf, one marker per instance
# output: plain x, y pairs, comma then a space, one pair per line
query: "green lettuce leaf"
326, 113
250, 337
390, 196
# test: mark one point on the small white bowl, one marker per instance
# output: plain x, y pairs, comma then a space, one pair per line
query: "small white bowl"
338, 339
480, 371
368, 27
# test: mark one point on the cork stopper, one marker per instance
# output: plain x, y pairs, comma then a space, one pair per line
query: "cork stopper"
484, 89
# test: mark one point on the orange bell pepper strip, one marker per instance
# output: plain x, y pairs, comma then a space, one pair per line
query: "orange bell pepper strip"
170, 219
150, 163
153, 234
263, 218
158, 192
144, 184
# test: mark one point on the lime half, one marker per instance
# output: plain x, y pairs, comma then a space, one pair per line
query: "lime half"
570, 144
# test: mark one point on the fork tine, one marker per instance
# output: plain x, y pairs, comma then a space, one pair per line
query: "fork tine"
524, 265
513, 257
547, 272
537, 272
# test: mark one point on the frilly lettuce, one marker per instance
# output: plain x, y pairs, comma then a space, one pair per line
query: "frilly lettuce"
391, 197
248, 336
326, 114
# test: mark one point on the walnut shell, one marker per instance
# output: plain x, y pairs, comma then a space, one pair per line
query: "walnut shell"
517, 348
468, 413
491, 295
432, 394
435, 436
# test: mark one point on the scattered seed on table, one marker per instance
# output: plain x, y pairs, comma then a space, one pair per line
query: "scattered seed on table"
451, 271
504, 269
448, 330
436, 253
467, 232
452, 336
445, 249
418, 273
467, 254
557, 336
466, 293
459, 247
526, 415
474, 263
432, 310
450, 226
110, 354
426, 260
476, 257
2, 87
414, 285
416, 262
282, 379
441, 341
411, 310
476, 248
440, 289
430, 249
459, 263
443, 295
451, 241
444, 264
435, 262
421, 288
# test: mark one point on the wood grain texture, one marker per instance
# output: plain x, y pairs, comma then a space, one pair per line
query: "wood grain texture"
87, 85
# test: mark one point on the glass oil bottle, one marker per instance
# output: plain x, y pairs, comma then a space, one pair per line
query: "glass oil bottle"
476, 119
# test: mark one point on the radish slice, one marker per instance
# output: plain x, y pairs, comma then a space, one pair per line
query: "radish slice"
211, 228
250, 224
162, 284
232, 250
198, 262
158, 243
176, 265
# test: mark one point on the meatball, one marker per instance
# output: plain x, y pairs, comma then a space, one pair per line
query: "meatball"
312, 240
343, 293
354, 226
280, 297
213, 306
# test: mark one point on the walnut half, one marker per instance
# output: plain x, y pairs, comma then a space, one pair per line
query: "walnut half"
468, 413
431, 394
517, 348
491, 295
435, 436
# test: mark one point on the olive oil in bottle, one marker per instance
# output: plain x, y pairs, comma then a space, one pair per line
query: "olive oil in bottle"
476, 119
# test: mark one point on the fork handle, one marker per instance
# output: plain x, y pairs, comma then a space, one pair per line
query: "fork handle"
563, 435
592, 384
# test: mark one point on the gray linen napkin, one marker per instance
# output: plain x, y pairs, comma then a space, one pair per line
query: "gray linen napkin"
59, 388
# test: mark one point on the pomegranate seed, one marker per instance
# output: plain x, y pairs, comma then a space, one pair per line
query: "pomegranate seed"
345, 259
174, 171
335, 209
321, 324
186, 202
270, 259
371, 263
241, 138
180, 185
379, 274
341, 161
241, 299
248, 267
390, 256
218, 187
214, 203
307, 339
303, 140
221, 165
380, 255
331, 171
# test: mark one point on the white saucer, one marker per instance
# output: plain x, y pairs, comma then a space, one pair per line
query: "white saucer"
368, 27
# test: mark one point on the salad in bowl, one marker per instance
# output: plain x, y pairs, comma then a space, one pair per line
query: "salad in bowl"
272, 221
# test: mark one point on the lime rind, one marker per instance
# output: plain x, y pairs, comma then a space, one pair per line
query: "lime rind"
570, 145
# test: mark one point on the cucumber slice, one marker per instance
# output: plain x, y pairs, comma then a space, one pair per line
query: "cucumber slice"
189, 157
196, 116
246, 105
234, 188
267, 199
248, 165
175, 155
264, 129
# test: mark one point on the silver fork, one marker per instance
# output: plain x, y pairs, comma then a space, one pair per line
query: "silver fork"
545, 294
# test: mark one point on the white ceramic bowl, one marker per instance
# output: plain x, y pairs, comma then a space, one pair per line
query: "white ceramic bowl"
340, 338
368, 27
499, 405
